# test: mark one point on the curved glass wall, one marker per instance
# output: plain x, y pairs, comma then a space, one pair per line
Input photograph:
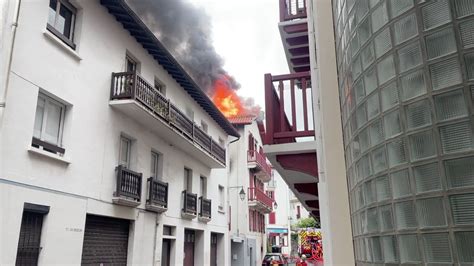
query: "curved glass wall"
406, 80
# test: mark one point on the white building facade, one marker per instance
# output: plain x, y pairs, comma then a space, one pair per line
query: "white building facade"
249, 173
103, 134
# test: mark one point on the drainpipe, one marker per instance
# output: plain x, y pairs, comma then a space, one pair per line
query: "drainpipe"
3, 93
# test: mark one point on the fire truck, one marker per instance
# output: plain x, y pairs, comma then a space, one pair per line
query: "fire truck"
310, 243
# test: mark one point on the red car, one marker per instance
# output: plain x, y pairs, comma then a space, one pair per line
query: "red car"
271, 259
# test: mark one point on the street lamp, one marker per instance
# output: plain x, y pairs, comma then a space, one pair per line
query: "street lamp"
242, 194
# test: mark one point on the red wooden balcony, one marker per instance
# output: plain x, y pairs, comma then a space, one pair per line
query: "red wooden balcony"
258, 162
259, 200
288, 108
292, 9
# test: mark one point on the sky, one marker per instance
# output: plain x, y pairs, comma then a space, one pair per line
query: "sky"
245, 34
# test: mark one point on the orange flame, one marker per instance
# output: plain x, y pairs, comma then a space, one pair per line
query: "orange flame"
226, 99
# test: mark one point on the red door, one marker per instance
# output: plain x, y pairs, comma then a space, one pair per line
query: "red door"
189, 239
213, 249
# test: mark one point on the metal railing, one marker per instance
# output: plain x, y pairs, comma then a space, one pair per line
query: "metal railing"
189, 202
129, 184
130, 85
157, 192
205, 207
292, 9
258, 195
261, 160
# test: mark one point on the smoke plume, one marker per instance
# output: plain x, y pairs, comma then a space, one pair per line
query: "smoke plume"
185, 30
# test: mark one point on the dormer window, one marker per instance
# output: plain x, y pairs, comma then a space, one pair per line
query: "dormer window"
61, 20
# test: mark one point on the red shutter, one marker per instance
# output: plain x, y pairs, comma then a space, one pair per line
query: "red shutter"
272, 218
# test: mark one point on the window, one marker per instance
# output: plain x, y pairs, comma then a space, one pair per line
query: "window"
61, 19
188, 180
221, 198
204, 126
189, 113
49, 121
155, 167
160, 86
125, 147
131, 64
203, 182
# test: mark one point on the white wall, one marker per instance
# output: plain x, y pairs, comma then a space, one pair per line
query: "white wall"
333, 196
239, 176
91, 137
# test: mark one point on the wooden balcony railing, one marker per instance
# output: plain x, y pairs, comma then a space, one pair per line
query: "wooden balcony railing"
157, 192
292, 9
129, 184
205, 207
189, 203
293, 99
255, 194
261, 160
130, 85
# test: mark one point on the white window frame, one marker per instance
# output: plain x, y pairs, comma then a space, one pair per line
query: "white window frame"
159, 86
68, 40
188, 179
156, 164
203, 186
47, 102
125, 163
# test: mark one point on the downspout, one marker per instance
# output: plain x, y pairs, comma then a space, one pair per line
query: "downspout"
3, 95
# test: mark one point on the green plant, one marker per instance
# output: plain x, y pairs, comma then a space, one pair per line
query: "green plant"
307, 222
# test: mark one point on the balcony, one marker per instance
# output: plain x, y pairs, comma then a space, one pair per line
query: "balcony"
292, 9
289, 140
128, 187
157, 200
258, 163
138, 99
259, 200
189, 210
204, 209
294, 34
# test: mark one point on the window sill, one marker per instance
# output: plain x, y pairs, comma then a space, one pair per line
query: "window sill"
55, 40
50, 155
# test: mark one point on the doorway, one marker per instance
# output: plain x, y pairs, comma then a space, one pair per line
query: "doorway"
189, 239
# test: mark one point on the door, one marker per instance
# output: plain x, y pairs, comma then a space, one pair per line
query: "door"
105, 241
213, 249
251, 257
166, 252
30, 237
189, 239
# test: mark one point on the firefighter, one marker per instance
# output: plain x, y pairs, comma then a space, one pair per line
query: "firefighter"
302, 262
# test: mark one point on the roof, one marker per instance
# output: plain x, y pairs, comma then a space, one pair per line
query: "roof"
242, 119
143, 35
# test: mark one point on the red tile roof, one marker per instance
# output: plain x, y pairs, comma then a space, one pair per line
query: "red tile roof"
242, 119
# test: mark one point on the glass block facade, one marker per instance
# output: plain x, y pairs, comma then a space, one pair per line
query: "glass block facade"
406, 80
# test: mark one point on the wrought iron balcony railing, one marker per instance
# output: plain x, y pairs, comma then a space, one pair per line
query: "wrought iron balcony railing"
205, 207
189, 203
130, 85
129, 184
157, 193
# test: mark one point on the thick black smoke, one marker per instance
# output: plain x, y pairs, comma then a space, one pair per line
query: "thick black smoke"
185, 30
